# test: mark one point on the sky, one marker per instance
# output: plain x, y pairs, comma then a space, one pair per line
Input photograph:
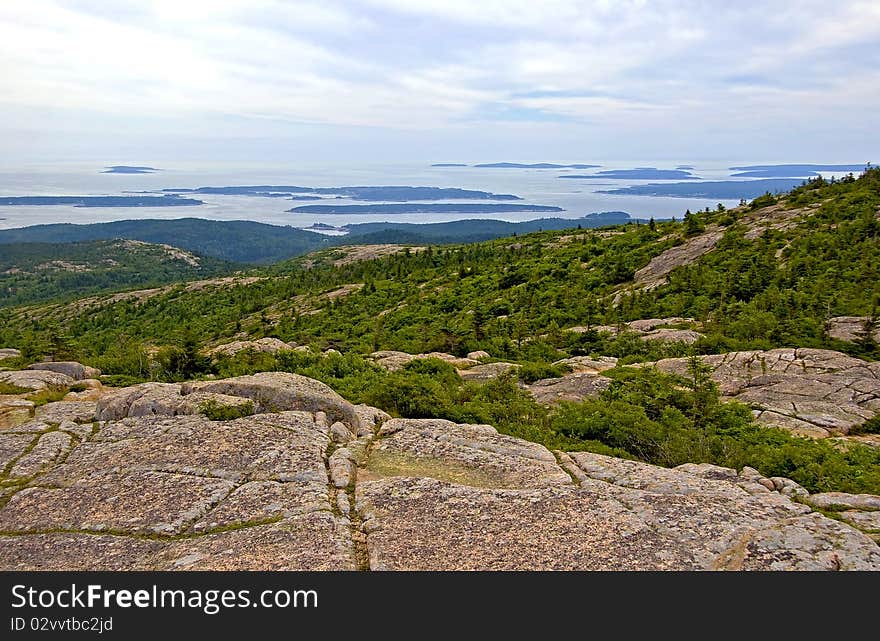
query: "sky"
439, 80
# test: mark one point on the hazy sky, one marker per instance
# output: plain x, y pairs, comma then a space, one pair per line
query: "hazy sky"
439, 80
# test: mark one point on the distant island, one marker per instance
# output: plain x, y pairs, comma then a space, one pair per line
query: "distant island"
101, 201
724, 190
639, 173
420, 208
538, 165
393, 193
129, 169
449, 164
322, 227
791, 171
688, 167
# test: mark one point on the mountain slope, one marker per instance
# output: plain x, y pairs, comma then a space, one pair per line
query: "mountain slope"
33, 272
236, 241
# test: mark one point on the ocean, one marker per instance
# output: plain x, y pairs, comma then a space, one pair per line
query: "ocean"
536, 186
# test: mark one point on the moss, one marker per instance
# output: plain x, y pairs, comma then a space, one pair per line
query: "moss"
384, 463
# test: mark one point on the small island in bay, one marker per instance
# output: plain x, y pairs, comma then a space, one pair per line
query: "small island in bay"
395, 193
685, 167
639, 173
129, 169
449, 164
723, 189
537, 165
421, 208
791, 171
100, 201
322, 227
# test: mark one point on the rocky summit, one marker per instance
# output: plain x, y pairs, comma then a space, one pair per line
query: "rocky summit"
278, 472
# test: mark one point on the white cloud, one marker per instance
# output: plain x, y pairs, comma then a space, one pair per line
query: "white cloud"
437, 65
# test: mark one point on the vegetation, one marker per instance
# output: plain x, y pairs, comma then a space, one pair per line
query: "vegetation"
515, 298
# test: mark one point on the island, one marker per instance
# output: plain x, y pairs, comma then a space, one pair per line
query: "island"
639, 173
322, 227
449, 164
687, 167
100, 201
791, 171
421, 208
129, 169
538, 165
395, 193
723, 189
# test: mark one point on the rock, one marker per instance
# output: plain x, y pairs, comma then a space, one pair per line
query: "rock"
487, 372
650, 324
478, 355
571, 387
60, 411
390, 360
76, 371
262, 345
587, 365
339, 433
471, 454
331, 352
687, 336
47, 450
14, 411
868, 521
811, 392
656, 270
850, 328
9, 352
270, 492
842, 501
36, 380
276, 391
371, 419
164, 399
341, 467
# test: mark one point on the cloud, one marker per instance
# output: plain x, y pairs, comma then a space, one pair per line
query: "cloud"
591, 68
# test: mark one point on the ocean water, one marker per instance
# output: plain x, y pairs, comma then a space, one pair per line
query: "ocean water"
535, 186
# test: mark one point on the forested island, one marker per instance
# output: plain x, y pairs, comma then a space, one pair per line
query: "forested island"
129, 169
397, 193
100, 201
421, 208
640, 173
723, 189
791, 171
449, 164
537, 165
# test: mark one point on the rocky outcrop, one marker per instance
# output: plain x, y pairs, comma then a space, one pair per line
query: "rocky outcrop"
261, 345
487, 372
668, 330
852, 328
36, 380
811, 392
394, 361
572, 387
76, 371
655, 272
330, 486
9, 352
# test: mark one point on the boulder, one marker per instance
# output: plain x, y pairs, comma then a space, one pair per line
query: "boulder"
277, 391
76, 371
486, 372
811, 392
36, 380
262, 345
478, 355
851, 328
587, 365
9, 352
571, 387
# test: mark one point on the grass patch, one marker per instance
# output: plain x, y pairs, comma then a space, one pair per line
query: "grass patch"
8, 388
215, 411
48, 395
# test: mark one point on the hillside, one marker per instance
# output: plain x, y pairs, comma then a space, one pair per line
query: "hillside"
742, 337
33, 272
235, 241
